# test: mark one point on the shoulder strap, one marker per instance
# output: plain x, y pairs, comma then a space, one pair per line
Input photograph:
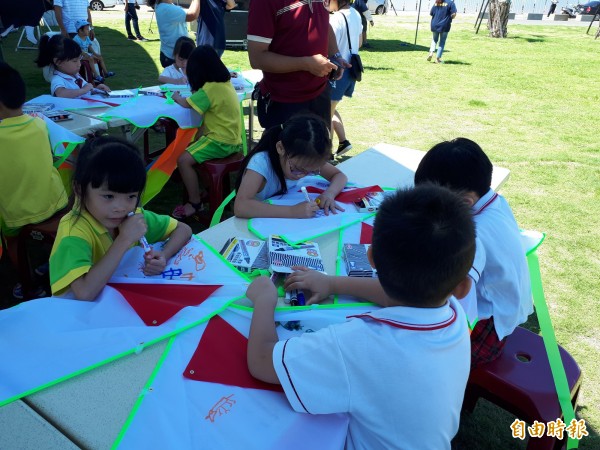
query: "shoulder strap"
347, 30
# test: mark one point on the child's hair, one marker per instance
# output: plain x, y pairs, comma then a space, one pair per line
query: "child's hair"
108, 161
56, 47
459, 164
204, 65
303, 135
12, 87
423, 244
184, 46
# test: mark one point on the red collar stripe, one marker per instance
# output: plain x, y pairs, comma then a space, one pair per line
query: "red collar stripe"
486, 204
411, 326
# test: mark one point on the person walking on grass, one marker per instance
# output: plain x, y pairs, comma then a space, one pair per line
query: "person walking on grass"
442, 13
131, 7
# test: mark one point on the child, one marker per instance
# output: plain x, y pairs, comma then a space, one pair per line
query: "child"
91, 240
214, 97
64, 55
399, 372
175, 73
31, 189
286, 153
503, 290
83, 40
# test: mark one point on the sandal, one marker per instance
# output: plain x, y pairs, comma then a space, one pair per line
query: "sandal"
179, 212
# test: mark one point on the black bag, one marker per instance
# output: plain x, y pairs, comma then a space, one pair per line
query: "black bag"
357, 69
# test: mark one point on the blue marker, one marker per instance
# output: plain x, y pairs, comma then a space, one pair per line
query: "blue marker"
301, 300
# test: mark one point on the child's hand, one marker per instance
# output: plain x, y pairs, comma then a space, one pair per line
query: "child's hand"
304, 210
133, 228
328, 204
155, 263
318, 284
103, 87
262, 291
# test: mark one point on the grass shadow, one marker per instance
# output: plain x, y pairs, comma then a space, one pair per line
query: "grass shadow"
392, 45
529, 39
456, 63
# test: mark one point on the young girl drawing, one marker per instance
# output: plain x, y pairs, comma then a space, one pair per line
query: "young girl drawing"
175, 73
64, 56
91, 240
301, 146
214, 97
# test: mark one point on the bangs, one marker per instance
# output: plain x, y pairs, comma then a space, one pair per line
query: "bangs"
119, 170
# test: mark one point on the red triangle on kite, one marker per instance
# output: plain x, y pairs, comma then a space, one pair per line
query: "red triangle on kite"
157, 303
221, 357
366, 233
351, 196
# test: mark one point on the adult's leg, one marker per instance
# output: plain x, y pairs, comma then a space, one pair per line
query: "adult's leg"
128, 20
434, 40
135, 19
440, 50
337, 125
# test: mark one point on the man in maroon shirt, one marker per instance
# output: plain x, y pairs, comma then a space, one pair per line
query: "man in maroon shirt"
290, 40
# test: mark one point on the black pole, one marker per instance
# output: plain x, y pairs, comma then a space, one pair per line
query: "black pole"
481, 18
480, 12
418, 17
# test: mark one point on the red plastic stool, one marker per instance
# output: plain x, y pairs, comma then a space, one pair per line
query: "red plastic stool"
520, 381
214, 174
43, 234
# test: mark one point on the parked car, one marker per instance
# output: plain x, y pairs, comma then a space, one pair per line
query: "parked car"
377, 6
99, 5
589, 7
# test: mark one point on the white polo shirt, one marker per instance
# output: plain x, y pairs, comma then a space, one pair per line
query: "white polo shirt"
504, 289
72, 11
399, 372
62, 80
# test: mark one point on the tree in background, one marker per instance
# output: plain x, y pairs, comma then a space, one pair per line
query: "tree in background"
498, 22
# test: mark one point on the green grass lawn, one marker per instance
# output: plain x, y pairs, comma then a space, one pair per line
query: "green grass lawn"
532, 101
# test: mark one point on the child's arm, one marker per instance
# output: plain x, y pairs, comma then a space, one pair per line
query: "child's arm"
247, 206
88, 286
168, 80
64, 92
322, 286
263, 337
156, 261
337, 180
180, 100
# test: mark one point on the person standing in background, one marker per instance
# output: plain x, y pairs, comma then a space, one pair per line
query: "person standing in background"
442, 13
172, 24
211, 23
131, 7
552, 7
70, 11
365, 15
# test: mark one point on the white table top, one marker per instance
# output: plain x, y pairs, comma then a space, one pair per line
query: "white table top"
82, 125
91, 408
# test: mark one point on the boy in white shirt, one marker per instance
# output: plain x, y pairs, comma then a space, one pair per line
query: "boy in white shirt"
82, 38
504, 291
399, 372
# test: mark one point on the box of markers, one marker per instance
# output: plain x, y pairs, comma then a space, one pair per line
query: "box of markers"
357, 262
370, 202
283, 256
246, 254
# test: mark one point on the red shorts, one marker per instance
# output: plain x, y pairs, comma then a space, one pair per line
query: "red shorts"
485, 345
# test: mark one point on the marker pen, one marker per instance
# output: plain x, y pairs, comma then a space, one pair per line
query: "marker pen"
143, 240
294, 298
305, 192
301, 299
